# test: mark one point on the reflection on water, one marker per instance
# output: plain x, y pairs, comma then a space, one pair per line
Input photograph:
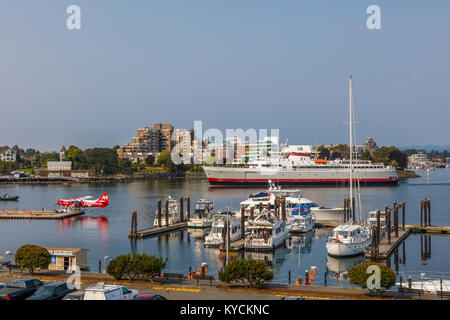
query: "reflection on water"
105, 231
337, 267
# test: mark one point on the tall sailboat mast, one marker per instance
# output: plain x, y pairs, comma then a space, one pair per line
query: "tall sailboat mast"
351, 144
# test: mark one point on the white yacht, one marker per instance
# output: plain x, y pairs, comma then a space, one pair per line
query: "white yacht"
350, 239
301, 219
203, 215
217, 235
372, 219
265, 232
174, 213
294, 198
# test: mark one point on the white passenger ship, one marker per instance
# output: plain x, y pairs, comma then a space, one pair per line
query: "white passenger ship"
300, 169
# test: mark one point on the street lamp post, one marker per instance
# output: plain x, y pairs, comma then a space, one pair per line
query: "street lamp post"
105, 258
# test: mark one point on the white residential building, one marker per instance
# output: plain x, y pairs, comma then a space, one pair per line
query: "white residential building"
7, 154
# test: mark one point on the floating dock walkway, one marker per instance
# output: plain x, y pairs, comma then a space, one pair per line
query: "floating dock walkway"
154, 231
37, 214
235, 246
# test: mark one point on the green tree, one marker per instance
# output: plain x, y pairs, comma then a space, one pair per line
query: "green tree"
165, 160
342, 149
119, 266
126, 266
366, 155
32, 257
252, 271
358, 275
324, 154
150, 159
149, 265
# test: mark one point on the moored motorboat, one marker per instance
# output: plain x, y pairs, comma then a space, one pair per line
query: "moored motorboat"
173, 213
203, 214
7, 197
265, 232
217, 235
300, 219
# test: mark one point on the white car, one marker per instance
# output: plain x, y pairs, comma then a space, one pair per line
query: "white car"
2, 285
109, 292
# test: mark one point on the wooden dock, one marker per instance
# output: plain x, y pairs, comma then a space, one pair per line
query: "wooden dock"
327, 224
235, 246
37, 214
157, 230
417, 228
386, 248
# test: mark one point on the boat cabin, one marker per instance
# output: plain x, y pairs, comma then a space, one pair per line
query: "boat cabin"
202, 208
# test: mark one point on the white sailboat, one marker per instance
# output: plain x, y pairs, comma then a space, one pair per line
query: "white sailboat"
350, 239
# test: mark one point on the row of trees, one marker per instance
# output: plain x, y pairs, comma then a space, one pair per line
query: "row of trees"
388, 155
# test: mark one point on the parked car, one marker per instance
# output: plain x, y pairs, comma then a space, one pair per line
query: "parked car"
109, 292
51, 291
149, 297
2, 285
19, 289
76, 295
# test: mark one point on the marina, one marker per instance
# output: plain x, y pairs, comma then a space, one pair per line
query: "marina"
108, 236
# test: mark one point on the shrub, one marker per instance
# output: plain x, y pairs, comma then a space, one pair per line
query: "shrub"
32, 257
358, 275
130, 267
252, 271
119, 266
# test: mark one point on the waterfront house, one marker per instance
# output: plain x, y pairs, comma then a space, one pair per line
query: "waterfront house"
7, 154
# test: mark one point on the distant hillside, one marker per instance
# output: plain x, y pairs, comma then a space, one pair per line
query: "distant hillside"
427, 148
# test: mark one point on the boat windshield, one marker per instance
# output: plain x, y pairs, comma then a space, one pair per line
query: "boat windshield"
217, 230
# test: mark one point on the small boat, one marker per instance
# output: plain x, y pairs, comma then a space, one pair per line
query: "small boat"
218, 233
173, 212
348, 240
203, 214
7, 197
301, 219
266, 232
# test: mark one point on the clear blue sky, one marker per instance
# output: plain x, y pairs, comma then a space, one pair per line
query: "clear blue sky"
233, 64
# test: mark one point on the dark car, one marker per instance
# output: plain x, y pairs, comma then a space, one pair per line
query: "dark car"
52, 291
149, 297
19, 289
77, 295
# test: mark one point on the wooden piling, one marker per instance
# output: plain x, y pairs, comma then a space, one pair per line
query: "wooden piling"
181, 210
396, 221
421, 213
403, 214
378, 226
188, 207
159, 213
167, 212
283, 210
242, 222
252, 213
388, 224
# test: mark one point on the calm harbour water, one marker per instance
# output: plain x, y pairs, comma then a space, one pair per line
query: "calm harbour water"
105, 231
